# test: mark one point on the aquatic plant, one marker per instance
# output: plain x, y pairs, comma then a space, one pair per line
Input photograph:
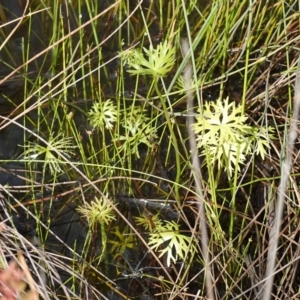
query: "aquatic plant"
174, 244
101, 101
103, 114
121, 240
97, 212
165, 237
156, 62
149, 222
225, 138
50, 151
138, 130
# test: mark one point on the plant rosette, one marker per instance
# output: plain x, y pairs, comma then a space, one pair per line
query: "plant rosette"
224, 137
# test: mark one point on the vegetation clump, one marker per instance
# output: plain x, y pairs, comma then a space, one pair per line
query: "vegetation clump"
225, 138
98, 182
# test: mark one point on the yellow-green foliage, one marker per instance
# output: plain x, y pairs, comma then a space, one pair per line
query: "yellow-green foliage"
99, 211
224, 137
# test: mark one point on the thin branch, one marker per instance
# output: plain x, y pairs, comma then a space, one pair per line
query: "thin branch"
280, 205
187, 78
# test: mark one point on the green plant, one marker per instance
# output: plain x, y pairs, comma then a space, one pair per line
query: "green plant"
242, 47
59, 143
175, 245
138, 130
149, 223
123, 241
103, 114
224, 137
98, 212
157, 62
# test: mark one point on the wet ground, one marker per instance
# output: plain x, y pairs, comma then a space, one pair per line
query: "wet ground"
134, 273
